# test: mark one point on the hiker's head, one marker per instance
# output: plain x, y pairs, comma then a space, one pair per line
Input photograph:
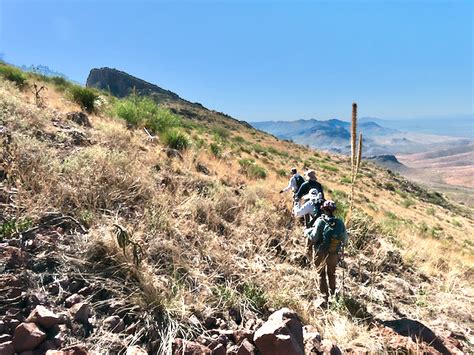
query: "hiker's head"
311, 174
329, 207
313, 194
293, 171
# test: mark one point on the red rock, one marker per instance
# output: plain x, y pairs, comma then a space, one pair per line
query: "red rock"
136, 350
13, 257
73, 299
220, 349
44, 317
246, 348
81, 312
240, 334
184, 347
27, 336
282, 334
6, 348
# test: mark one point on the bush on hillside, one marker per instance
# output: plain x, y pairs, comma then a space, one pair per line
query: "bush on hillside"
216, 150
144, 112
14, 74
60, 82
176, 139
251, 169
84, 97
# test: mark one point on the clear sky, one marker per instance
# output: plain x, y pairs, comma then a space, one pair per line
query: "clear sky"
262, 60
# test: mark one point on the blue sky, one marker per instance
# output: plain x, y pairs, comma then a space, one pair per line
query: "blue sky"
261, 60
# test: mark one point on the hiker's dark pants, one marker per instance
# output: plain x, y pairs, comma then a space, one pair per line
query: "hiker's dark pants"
326, 264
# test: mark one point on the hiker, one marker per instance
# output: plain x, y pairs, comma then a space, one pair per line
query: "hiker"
295, 182
312, 183
328, 237
311, 208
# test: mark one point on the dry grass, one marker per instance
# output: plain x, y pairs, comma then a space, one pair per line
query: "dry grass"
222, 240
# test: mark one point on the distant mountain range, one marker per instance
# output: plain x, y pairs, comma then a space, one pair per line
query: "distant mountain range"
333, 135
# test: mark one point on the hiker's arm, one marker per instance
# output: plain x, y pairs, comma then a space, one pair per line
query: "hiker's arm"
303, 210
316, 233
291, 183
321, 191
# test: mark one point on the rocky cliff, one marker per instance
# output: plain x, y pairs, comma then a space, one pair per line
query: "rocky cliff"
121, 84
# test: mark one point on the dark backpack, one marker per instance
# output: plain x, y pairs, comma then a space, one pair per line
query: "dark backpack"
332, 236
299, 182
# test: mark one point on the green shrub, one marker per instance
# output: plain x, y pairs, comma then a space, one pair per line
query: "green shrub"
12, 226
175, 139
407, 202
14, 74
328, 167
216, 150
239, 139
144, 112
221, 132
60, 82
282, 172
251, 169
346, 180
84, 97
257, 148
255, 296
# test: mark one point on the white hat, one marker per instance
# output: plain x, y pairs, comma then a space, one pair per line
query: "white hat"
313, 194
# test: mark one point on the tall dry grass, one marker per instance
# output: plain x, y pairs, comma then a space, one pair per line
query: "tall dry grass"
213, 241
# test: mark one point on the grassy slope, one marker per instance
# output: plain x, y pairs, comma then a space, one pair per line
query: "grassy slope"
221, 240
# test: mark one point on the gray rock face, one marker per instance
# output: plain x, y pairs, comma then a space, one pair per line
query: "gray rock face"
121, 84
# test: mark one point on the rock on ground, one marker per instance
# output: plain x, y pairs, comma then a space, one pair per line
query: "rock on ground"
27, 336
282, 334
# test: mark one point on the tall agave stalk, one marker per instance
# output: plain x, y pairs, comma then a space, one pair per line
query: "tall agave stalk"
356, 155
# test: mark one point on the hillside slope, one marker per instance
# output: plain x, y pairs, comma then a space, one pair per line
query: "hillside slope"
212, 248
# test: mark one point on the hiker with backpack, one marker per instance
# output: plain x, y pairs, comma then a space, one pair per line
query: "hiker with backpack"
305, 188
311, 208
328, 237
312, 183
295, 182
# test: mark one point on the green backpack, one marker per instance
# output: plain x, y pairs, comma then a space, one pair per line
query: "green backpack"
333, 234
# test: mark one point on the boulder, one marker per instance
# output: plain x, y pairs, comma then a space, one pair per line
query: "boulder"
184, 347
73, 299
240, 334
27, 336
80, 118
220, 349
81, 312
6, 348
44, 317
246, 348
281, 334
136, 350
